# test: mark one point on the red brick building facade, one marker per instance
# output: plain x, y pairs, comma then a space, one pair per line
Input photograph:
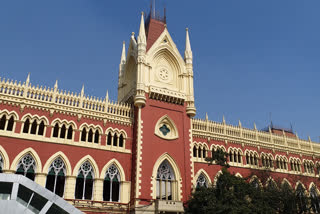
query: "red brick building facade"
144, 153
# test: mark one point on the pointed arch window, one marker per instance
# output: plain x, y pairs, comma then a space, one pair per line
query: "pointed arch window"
34, 127
121, 140
56, 130
115, 140
109, 139
301, 198
3, 121
41, 128
70, 133
166, 185
90, 136
202, 181
26, 167
315, 199
56, 177
84, 135
96, 136
10, 124
111, 184
194, 151
26, 126
63, 131
84, 182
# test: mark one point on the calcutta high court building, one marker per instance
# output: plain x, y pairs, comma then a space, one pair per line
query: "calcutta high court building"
144, 153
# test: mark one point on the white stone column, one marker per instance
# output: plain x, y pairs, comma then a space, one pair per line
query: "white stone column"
70, 187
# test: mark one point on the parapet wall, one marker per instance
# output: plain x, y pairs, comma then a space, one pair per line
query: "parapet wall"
253, 137
57, 100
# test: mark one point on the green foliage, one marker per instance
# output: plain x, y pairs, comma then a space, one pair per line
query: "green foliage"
235, 195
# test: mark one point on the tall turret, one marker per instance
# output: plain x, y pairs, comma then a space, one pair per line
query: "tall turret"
140, 99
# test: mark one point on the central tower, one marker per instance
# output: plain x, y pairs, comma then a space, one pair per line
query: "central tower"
158, 81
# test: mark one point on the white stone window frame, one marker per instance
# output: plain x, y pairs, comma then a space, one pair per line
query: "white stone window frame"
266, 158
113, 174
295, 165
38, 121
252, 155
308, 164
94, 129
285, 162
8, 117
67, 125
204, 148
27, 167
117, 132
57, 170
237, 151
168, 122
85, 173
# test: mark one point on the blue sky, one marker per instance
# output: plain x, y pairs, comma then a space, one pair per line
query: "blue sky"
251, 58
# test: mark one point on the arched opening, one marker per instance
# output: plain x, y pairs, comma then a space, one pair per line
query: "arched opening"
3, 121
90, 136
111, 184
56, 177
202, 181
109, 139
70, 133
166, 184
301, 198
26, 126
115, 140
63, 131
84, 135
34, 127
56, 130
41, 128
26, 167
199, 152
315, 199
194, 151
10, 124
84, 182
96, 137
121, 140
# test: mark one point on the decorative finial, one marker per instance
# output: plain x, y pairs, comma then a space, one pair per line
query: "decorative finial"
107, 96
82, 90
28, 79
56, 85
123, 54
239, 123
188, 52
223, 119
142, 32
254, 126
207, 118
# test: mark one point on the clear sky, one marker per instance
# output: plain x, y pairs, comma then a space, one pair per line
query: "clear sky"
251, 58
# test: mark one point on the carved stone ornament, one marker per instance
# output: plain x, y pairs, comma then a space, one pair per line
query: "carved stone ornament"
166, 129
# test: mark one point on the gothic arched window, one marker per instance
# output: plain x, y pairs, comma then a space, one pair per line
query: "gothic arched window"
34, 127
70, 133
301, 198
3, 121
194, 151
26, 126
84, 182
121, 140
56, 130
63, 131
109, 139
56, 177
165, 182
10, 124
115, 140
84, 135
315, 199
26, 167
202, 181
96, 137
41, 128
90, 136
111, 185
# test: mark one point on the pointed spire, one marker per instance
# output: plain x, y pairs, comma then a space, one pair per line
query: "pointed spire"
188, 51
28, 79
123, 54
56, 85
107, 96
240, 123
142, 32
254, 126
207, 118
82, 90
223, 119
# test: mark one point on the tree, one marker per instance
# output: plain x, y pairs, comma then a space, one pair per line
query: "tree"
232, 194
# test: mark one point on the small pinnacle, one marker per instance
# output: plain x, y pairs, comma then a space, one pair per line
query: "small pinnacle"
142, 13
132, 33
123, 42
187, 29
